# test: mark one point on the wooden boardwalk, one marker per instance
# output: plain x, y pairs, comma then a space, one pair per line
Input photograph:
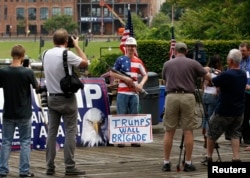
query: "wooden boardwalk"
114, 162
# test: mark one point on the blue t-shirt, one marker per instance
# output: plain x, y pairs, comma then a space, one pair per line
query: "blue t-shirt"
232, 84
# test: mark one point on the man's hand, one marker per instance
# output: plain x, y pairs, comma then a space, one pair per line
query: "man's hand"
129, 82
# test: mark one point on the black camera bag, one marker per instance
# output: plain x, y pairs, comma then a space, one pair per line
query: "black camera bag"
70, 83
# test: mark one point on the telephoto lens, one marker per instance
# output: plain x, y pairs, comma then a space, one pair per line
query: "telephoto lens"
44, 99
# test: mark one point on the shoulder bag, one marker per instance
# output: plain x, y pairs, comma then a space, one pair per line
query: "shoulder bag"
70, 83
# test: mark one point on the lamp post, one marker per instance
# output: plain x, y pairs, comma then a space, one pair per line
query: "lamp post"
10, 30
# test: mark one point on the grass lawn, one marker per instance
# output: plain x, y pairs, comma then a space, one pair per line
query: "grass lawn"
93, 49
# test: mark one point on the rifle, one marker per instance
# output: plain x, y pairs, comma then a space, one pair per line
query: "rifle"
144, 92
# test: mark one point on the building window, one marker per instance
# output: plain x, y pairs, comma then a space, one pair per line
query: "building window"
56, 11
19, 13
44, 13
5, 12
68, 11
98, 12
105, 12
32, 0
32, 13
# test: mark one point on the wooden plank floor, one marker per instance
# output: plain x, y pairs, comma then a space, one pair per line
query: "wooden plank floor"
114, 162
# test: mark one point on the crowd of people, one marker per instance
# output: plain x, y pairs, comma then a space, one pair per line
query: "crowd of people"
226, 95
224, 102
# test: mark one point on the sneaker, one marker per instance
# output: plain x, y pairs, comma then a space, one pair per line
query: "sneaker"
135, 145
27, 175
166, 167
121, 145
189, 167
74, 171
50, 172
3, 175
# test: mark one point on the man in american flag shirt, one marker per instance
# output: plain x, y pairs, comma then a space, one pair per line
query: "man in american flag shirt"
128, 89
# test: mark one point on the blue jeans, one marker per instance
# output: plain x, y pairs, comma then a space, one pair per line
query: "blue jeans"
127, 104
209, 104
8, 129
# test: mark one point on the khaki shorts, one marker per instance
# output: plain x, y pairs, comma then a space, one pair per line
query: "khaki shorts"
179, 111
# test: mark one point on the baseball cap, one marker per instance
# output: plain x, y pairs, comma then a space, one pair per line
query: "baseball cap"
180, 45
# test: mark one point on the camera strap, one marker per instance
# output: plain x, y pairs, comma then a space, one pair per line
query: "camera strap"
65, 63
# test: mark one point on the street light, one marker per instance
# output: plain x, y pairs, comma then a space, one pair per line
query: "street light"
10, 30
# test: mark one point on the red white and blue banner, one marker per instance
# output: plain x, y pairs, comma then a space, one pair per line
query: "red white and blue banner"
93, 111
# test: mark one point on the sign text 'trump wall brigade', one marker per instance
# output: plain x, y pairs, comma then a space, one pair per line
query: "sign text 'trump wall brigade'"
130, 128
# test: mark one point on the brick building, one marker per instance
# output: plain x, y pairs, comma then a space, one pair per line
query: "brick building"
101, 17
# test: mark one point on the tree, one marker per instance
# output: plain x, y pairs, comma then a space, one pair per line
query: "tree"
166, 8
61, 21
140, 28
214, 19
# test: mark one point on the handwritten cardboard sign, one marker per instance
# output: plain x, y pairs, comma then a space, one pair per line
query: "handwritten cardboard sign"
130, 128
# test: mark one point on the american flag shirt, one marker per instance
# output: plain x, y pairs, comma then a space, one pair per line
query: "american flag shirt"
133, 67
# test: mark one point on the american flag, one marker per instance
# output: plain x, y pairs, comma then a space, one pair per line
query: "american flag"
128, 32
172, 45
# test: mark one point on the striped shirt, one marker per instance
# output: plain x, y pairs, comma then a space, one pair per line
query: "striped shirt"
133, 67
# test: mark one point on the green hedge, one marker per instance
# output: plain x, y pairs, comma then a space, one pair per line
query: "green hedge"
155, 53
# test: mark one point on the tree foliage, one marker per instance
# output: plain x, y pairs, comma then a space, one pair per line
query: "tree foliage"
213, 19
140, 28
61, 21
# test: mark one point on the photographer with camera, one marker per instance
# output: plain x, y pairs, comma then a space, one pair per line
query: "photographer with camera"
180, 75
60, 105
16, 81
229, 112
210, 97
127, 69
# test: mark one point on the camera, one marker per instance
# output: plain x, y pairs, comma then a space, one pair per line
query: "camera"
26, 62
70, 42
42, 90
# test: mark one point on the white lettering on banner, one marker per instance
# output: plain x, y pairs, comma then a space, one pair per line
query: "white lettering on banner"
130, 128
43, 132
92, 92
16, 134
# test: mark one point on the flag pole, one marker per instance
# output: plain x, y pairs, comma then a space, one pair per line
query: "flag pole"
172, 43
172, 15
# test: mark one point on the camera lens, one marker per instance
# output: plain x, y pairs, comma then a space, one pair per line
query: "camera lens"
44, 99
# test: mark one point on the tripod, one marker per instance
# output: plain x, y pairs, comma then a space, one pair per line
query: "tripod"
198, 95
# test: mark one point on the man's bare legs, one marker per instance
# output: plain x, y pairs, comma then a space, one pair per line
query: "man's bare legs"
188, 141
189, 144
235, 148
168, 142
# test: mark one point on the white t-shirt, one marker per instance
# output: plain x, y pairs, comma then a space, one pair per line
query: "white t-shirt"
53, 67
210, 89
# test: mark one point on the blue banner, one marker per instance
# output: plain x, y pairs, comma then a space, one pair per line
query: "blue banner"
93, 111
